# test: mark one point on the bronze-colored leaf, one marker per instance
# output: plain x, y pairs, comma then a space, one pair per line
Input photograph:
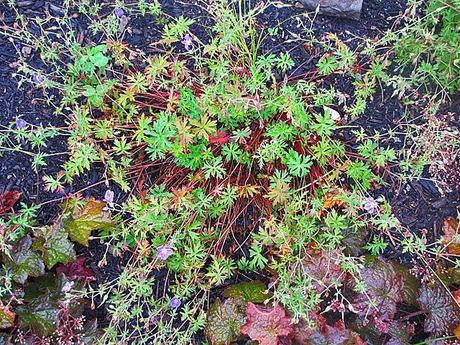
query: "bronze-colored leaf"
7, 200
267, 325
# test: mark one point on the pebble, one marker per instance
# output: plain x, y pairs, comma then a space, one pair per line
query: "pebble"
56, 10
38, 4
24, 3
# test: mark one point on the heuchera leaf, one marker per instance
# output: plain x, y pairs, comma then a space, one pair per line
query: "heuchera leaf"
57, 248
324, 334
443, 313
267, 325
76, 270
41, 315
411, 284
92, 216
400, 332
384, 290
324, 267
254, 291
23, 261
336, 334
6, 317
224, 320
7, 200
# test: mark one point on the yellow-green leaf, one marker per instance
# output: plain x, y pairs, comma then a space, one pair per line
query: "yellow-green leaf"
91, 216
6, 317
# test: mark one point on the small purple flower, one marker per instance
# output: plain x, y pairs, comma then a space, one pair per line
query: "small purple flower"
164, 252
20, 123
38, 79
118, 12
371, 206
187, 41
108, 196
67, 286
175, 303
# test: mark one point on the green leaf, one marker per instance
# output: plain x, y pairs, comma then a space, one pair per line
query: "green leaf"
46, 284
224, 320
57, 248
254, 291
23, 261
41, 315
91, 216
89, 91
99, 60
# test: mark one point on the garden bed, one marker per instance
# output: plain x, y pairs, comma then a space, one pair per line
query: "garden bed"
301, 188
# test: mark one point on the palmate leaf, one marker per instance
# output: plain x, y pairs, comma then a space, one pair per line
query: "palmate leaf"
41, 315
224, 320
54, 244
220, 138
84, 219
384, 290
399, 332
324, 334
58, 249
76, 270
336, 334
443, 314
23, 261
267, 325
323, 266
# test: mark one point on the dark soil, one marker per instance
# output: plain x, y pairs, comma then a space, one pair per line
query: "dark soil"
418, 205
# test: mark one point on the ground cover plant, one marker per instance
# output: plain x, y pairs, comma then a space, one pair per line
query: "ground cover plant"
205, 184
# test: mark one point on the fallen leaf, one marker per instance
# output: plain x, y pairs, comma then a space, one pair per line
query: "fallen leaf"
451, 236
334, 114
223, 321
266, 325
7, 200
7, 317
457, 332
85, 219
